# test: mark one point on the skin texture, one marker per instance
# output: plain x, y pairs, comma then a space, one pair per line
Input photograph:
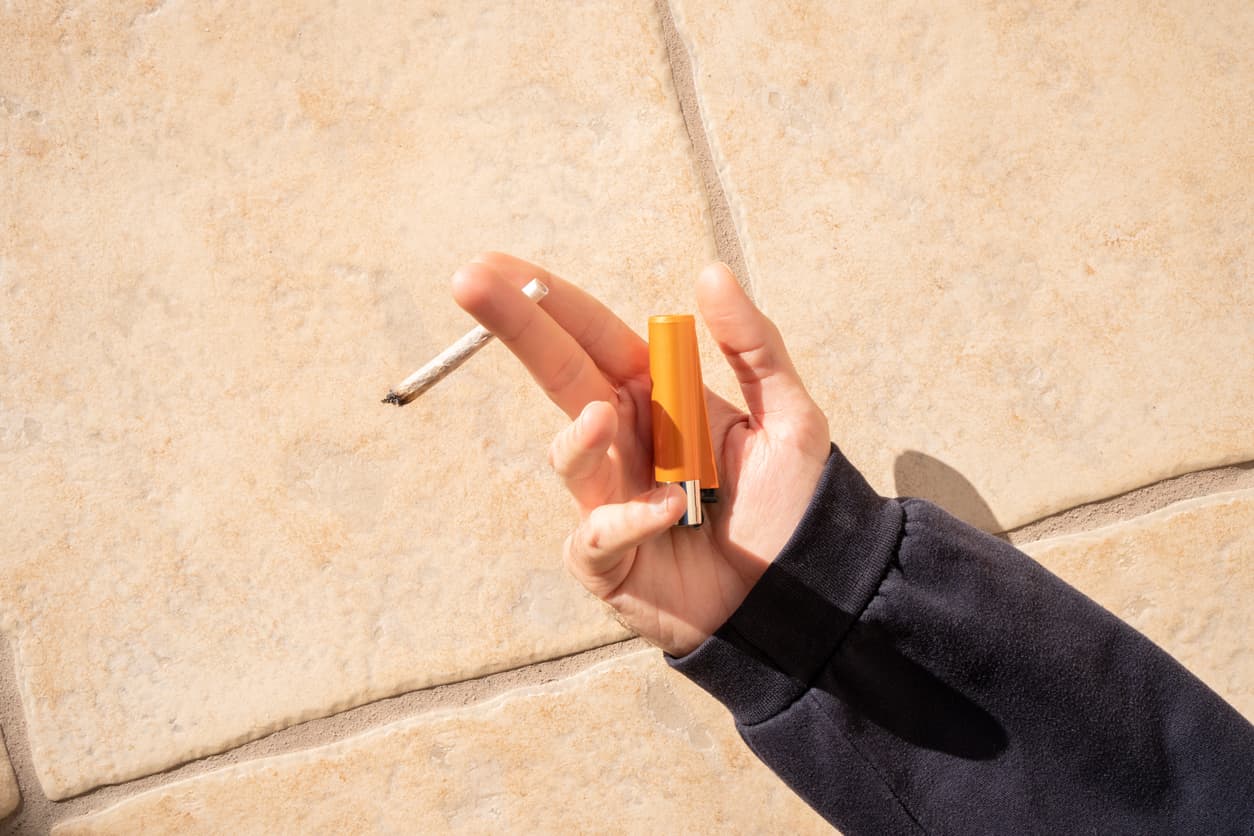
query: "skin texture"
673, 586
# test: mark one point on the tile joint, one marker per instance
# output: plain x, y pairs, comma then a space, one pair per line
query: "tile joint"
38, 813
1134, 503
728, 240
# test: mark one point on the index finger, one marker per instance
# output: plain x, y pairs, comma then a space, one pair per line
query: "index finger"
559, 364
617, 350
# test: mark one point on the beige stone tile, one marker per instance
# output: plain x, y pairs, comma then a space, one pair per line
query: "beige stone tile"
226, 231
556, 758
10, 796
1008, 243
626, 747
1183, 576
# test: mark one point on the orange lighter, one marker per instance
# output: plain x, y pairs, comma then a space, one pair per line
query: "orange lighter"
682, 450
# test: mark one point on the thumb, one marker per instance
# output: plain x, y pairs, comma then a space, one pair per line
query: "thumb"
753, 347
601, 551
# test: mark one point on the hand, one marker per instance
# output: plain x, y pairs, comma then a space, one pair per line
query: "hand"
673, 586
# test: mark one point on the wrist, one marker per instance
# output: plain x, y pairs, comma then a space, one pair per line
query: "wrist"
800, 609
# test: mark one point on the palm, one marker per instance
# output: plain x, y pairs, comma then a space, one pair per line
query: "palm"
680, 586
674, 586
677, 588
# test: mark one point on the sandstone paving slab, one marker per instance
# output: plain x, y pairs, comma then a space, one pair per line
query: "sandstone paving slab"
10, 795
1008, 244
1183, 576
225, 231
628, 746
625, 747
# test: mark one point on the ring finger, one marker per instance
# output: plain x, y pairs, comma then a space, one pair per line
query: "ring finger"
580, 454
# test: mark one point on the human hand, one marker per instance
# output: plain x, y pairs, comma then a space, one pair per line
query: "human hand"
673, 586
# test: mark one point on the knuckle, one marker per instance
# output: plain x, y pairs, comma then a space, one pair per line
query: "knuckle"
806, 430
813, 421
509, 336
600, 538
593, 538
560, 452
567, 373
594, 330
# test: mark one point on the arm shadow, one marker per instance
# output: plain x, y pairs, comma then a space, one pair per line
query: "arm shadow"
925, 477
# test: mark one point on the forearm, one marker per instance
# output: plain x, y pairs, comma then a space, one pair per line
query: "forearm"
907, 673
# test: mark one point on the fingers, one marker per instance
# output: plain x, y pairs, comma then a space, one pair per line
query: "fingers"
616, 349
580, 457
753, 346
558, 363
600, 551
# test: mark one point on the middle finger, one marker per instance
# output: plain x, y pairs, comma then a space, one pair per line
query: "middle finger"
558, 363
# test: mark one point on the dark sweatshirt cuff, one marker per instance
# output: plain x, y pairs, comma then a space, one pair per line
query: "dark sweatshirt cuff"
766, 655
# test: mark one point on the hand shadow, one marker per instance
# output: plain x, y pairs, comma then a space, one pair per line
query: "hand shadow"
920, 475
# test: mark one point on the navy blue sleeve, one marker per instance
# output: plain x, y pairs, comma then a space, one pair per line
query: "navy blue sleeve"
904, 672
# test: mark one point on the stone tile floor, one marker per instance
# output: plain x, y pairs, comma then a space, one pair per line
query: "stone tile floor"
1009, 247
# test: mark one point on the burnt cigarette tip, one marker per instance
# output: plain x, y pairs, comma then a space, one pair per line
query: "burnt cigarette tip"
394, 398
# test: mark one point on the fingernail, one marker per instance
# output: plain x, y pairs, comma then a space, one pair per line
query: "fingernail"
661, 500
582, 421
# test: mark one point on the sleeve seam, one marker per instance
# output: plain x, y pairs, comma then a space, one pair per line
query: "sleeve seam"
873, 768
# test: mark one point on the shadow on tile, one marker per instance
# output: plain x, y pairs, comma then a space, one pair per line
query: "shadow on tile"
920, 475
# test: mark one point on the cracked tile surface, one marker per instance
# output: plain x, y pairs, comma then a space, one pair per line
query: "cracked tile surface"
1183, 576
226, 231
1008, 244
10, 796
621, 747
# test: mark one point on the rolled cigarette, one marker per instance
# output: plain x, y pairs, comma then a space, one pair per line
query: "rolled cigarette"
453, 356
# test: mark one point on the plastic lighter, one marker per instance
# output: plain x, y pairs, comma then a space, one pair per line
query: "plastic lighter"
682, 450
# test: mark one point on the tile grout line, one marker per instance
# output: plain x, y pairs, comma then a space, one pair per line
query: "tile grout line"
728, 240
16, 739
1138, 502
38, 813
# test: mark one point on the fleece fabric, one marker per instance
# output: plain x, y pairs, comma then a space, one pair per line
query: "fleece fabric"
904, 672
